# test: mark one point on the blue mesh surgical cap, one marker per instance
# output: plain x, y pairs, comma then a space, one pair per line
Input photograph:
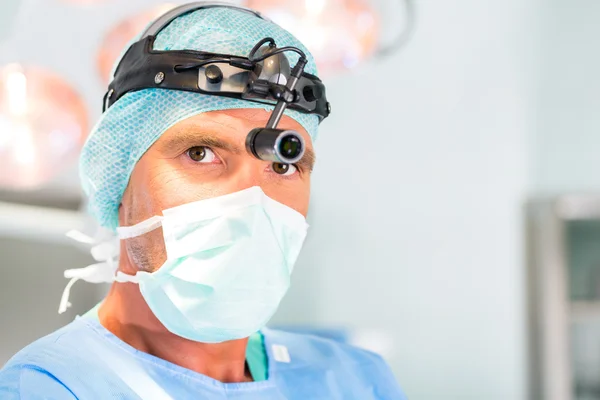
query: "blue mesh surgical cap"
133, 123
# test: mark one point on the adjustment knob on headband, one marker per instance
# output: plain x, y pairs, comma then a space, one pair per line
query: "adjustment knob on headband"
213, 74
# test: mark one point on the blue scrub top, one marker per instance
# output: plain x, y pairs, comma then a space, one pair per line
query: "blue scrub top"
83, 360
256, 355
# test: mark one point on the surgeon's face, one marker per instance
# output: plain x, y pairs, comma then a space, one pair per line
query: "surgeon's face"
203, 157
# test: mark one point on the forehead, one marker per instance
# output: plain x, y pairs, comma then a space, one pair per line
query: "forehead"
232, 125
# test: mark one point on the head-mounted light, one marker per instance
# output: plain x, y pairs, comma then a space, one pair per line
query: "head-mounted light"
264, 76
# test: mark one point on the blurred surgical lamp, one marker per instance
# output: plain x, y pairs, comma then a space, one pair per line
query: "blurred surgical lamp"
342, 33
117, 38
42, 126
339, 33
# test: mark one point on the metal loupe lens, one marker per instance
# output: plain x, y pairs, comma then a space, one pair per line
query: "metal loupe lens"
277, 145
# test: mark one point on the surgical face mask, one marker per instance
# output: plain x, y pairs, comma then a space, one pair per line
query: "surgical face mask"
229, 261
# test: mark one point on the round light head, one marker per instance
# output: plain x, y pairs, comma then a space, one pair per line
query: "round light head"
277, 145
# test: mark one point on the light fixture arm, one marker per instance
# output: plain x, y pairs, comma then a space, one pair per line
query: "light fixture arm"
404, 36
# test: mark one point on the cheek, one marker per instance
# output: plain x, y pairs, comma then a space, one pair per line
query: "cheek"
142, 198
170, 186
305, 201
295, 196
147, 252
163, 187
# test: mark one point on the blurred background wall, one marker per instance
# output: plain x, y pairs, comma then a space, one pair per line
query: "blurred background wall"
567, 93
417, 197
416, 241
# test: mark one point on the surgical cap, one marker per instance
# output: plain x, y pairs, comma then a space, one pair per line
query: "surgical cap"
133, 123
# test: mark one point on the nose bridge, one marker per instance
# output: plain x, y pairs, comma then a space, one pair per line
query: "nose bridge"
250, 173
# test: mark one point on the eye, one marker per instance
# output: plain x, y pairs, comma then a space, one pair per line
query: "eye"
284, 169
201, 154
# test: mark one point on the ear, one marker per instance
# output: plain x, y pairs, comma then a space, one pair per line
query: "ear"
121, 215
124, 207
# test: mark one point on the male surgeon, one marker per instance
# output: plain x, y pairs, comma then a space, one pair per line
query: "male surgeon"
195, 166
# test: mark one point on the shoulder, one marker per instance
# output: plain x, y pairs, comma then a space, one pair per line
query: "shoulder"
339, 358
37, 367
56, 348
28, 382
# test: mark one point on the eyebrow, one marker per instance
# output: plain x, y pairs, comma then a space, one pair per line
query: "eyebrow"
307, 163
198, 138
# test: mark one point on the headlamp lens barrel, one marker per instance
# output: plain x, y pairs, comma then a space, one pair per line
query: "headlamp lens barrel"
276, 145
